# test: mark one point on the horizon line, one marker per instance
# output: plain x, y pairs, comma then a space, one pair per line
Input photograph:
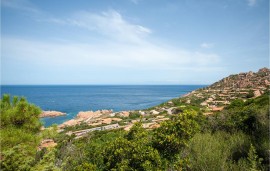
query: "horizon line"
99, 84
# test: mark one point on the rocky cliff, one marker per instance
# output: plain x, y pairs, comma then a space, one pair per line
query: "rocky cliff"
244, 80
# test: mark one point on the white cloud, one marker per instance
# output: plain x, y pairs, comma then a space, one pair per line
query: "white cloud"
124, 45
109, 23
23, 5
252, 2
76, 55
207, 45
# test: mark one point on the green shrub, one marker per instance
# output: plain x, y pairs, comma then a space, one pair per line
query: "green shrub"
218, 151
174, 134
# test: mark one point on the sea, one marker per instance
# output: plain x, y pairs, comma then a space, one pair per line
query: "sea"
72, 99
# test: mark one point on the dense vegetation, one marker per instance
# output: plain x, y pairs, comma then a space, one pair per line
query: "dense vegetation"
19, 126
236, 138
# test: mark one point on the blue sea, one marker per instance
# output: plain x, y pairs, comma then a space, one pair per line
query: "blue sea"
72, 99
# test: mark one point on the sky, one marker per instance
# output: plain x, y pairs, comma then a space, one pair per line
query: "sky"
131, 42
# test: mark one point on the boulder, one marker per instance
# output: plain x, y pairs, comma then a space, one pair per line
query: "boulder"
51, 114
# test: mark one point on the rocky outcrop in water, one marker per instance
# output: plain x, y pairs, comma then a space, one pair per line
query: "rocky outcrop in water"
51, 114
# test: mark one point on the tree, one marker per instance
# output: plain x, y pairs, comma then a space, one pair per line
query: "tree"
19, 127
132, 152
236, 103
173, 135
254, 160
47, 163
137, 132
17, 158
19, 113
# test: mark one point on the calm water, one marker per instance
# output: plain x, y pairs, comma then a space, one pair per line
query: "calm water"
72, 99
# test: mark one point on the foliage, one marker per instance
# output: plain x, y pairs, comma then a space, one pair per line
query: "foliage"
17, 158
47, 163
250, 117
19, 127
49, 133
250, 94
173, 135
19, 113
254, 160
86, 166
213, 151
123, 154
233, 139
134, 115
11, 137
236, 103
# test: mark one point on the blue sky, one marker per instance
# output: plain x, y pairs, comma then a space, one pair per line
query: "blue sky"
131, 41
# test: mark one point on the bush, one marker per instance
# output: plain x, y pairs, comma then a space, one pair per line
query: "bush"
173, 135
218, 151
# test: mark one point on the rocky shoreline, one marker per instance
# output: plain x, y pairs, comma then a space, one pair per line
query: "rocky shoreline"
45, 114
95, 118
209, 100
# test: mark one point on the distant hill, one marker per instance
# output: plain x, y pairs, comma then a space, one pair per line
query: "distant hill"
255, 80
221, 93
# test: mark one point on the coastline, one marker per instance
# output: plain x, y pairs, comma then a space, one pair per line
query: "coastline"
73, 99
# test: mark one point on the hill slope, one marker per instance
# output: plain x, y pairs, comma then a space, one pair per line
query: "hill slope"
238, 86
235, 138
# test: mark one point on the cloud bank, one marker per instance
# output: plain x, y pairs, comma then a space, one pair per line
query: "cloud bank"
122, 45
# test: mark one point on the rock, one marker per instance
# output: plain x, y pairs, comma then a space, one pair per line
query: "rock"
266, 82
106, 121
95, 124
264, 70
207, 113
116, 119
216, 109
203, 103
105, 111
147, 125
209, 99
71, 122
89, 117
154, 126
88, 114
161, 120
134, 121
60, 130
112, 114
69, 133
154, 112
51, 114
257, 93
42, 128
170, 103
47, 143
124, 114
170, 110
141, 112
127, 128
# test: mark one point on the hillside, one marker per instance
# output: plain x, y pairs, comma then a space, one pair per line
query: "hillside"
249, 80
198, 131
206, 101
238, 86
